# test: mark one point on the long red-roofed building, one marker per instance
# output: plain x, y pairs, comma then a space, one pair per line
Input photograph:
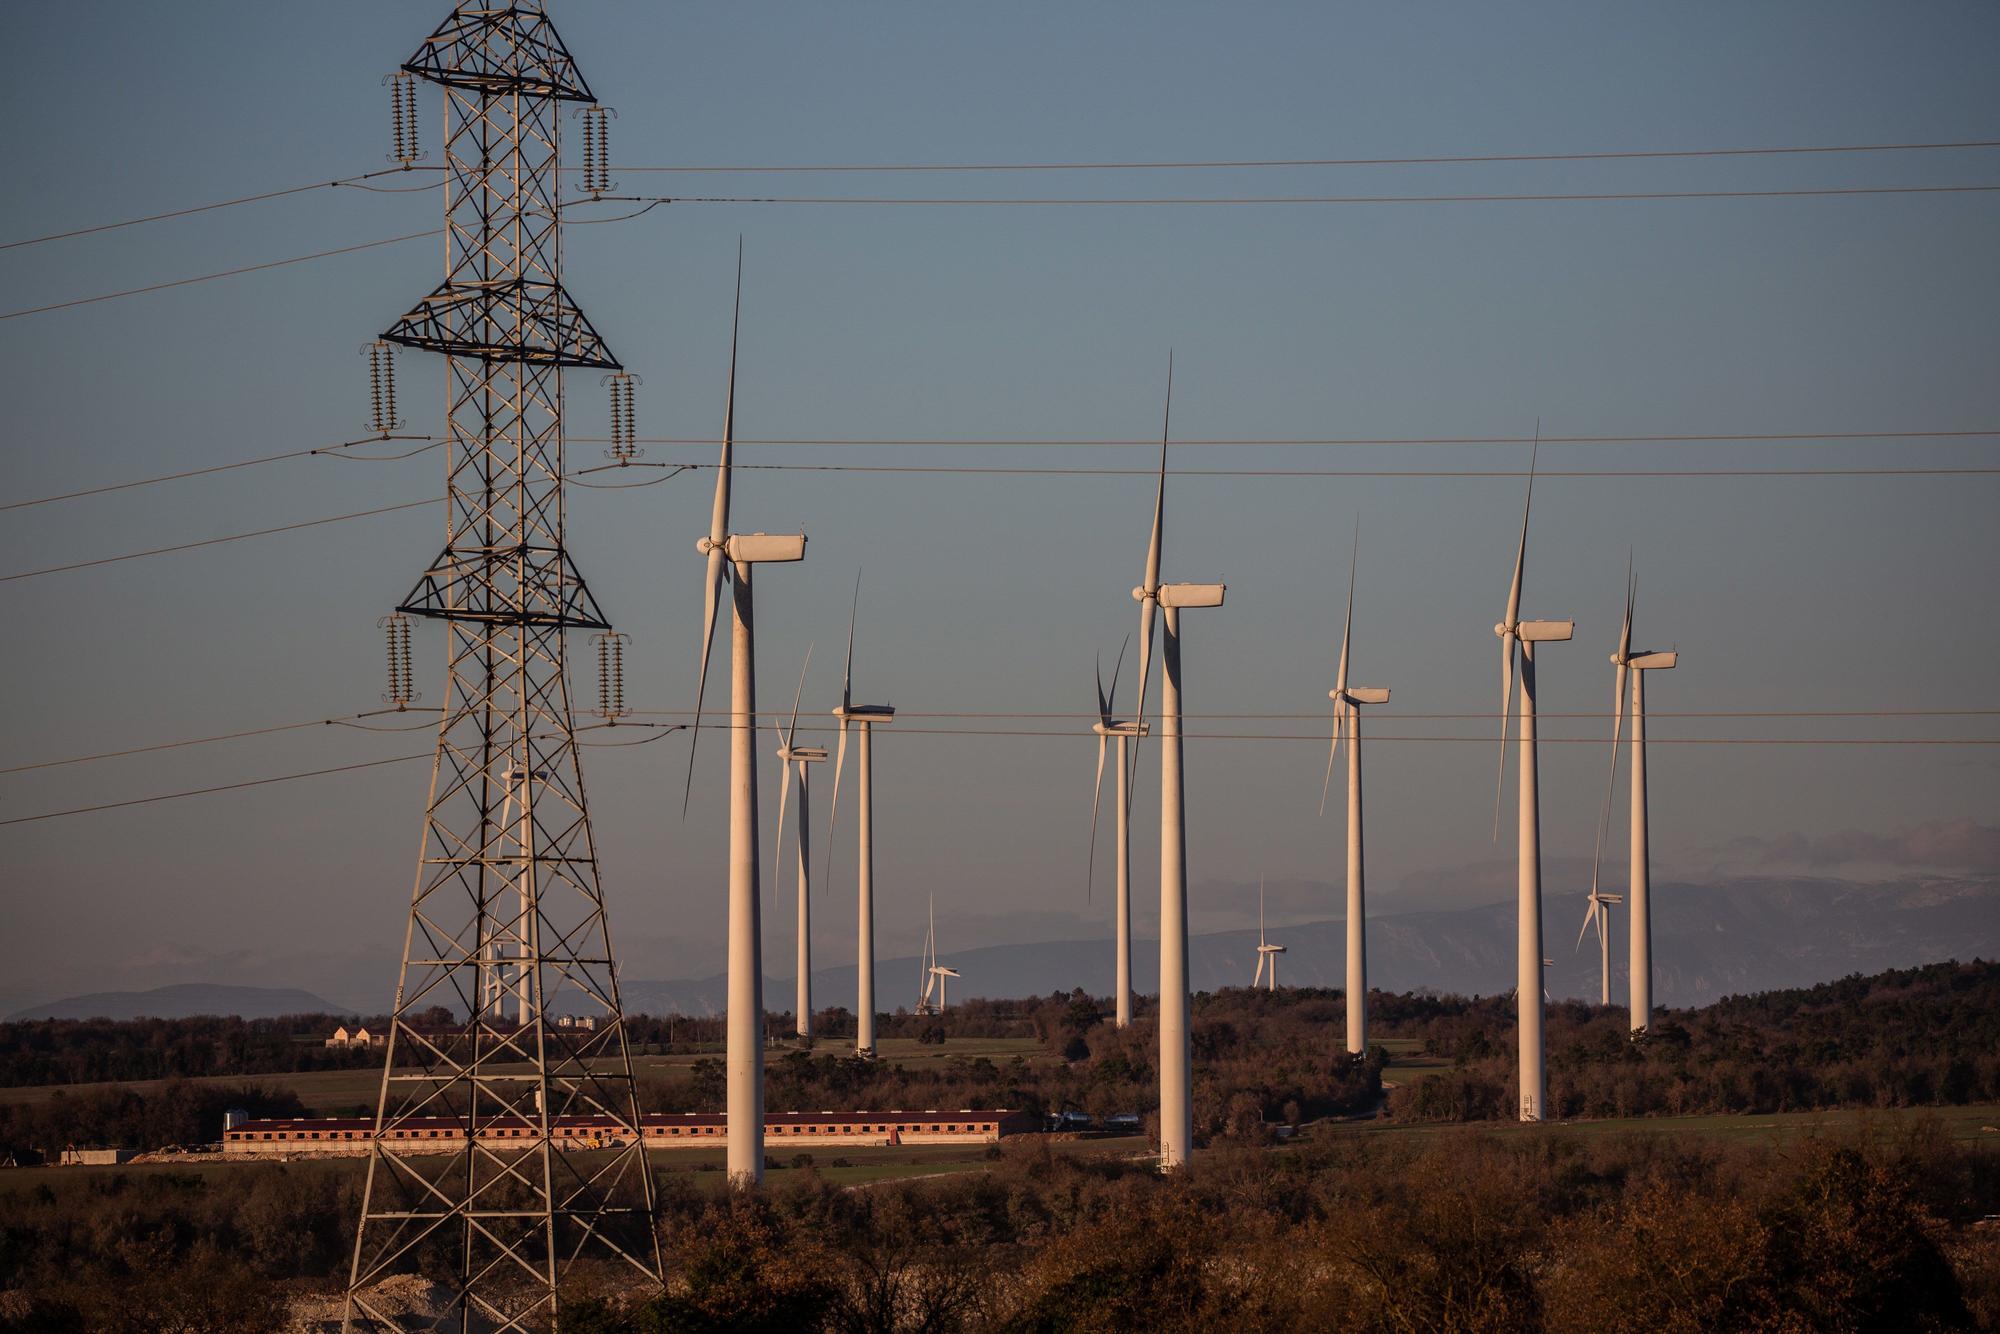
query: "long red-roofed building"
295, 1137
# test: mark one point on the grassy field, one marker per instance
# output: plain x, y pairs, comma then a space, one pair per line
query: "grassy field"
330, 1092
1979, 1123
858, 1165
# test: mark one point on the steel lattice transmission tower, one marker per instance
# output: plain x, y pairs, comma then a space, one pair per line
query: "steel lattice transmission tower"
546, 1164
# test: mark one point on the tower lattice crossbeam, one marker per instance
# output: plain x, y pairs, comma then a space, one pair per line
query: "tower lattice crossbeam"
507, 929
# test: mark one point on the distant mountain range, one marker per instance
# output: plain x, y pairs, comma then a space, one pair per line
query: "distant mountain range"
1709, 941
179, 1002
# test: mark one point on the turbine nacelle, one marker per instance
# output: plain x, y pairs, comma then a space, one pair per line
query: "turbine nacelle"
1650, 662
1185, 595
1122, 727
801, 754
756, 548
865, 713
1360, 695
1537, 632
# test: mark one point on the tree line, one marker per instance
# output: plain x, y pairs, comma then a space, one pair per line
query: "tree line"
1555, 1231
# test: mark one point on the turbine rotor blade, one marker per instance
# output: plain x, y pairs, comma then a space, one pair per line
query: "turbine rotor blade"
717, 571
1333, 748
1589, 916
1507, 644
1149, 603
791, 733
1347, 621
718, 528
1090, 876
778, 830
847, 672
1111, 700
833, 801
1103, 707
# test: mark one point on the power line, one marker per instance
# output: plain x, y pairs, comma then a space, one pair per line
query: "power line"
1601, 196
226, 273
222, 736
212, 541
1179, 201
1454, 159
1756, 437
950, 470
332, 449
1788, 437
205, 791
354, 720
206, 208
1069, 735
1325, 473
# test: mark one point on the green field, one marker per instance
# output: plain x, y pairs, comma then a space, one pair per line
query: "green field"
329, 1092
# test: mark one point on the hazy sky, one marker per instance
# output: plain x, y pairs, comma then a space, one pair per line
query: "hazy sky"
992, 593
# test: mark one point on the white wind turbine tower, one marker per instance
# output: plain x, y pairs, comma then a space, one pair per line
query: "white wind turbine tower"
1347, 702
1176, 1088
791, 754
1266, 951
731, 556
1522, 636
864, 718
1106, 727
1640, 885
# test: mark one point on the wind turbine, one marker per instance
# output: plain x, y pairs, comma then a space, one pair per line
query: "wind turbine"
864, 718
1640, 874
791, 754
1266, 952
1599, 915
1176, 1090
1106, 727
926, 962
731, 556
1347, 702
934, 974
1522, 636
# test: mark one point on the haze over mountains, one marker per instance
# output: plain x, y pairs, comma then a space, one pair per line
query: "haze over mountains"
178, 1002
1738, 936
1711, 940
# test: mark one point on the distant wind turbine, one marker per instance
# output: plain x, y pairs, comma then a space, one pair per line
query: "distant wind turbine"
731, 556
1347, 702
1266, 951
935, 976
1106, 727
791, 754
1598, 914
864, 718
1176, 1088
1522, 636
1640, 887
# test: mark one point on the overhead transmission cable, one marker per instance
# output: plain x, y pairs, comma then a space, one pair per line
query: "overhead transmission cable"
215, 541
356, 721
1450, 159
1315, 738
1231, 164
1601, 196
217, 204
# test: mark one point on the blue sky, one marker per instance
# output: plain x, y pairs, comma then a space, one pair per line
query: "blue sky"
993, 593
